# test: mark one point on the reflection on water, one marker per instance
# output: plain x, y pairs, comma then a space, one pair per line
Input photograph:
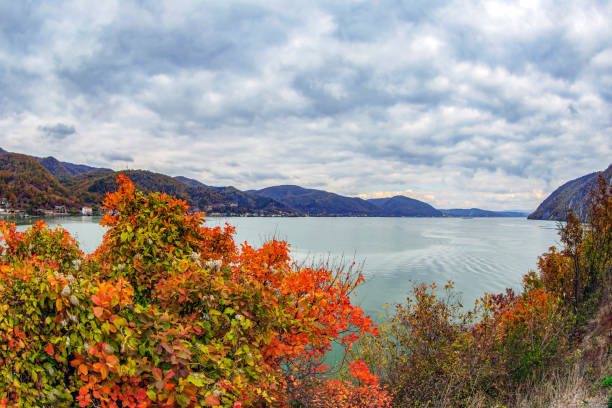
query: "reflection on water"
479, 254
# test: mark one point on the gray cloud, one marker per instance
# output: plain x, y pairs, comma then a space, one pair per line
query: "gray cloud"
455, 101
116, 157
58, 131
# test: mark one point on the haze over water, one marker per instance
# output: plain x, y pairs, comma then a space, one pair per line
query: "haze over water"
480, 254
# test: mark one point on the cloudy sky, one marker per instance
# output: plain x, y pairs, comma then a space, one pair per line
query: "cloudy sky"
460, 103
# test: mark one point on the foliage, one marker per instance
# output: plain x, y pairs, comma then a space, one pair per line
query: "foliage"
431, 353
581, 273
169, 313
506, 341
421, 342
26, 184
607, 382
520, 337
356, 387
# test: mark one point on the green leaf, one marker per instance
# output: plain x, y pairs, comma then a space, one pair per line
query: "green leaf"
152, 395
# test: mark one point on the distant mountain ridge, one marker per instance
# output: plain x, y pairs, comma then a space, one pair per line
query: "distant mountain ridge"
318, 202
477, 212
36, 183
402, 206
91, 187
64, 169
322, 203
574, 195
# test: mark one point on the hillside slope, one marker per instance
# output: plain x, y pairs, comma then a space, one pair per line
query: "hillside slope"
64, 169
318, 202
402, 206
574, 194
27, 185
92, 187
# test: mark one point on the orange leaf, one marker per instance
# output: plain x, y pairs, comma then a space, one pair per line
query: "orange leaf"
212, 401
103, 372
98, 311
112, 360
49, 349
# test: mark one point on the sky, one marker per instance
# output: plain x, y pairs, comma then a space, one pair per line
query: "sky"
488, 104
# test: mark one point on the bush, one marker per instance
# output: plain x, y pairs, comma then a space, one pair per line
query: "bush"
169, 313
419, 352
431, 354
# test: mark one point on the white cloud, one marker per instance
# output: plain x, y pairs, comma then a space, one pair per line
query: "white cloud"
491, 104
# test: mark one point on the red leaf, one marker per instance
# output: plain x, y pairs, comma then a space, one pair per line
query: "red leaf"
49, 349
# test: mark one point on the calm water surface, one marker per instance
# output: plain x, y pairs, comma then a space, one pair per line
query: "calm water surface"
479, 254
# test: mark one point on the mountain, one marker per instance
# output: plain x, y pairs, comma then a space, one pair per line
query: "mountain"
241, 198
31, 183
318, 202
322, 203
402, 206
477, 212
191, 182
64, 169
92, 187
574, 194
25, 184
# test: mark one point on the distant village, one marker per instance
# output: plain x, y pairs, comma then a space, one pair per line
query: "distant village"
230, 209
7, 210
211, 210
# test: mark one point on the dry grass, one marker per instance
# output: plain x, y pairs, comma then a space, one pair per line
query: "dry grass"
571, 389
575, 385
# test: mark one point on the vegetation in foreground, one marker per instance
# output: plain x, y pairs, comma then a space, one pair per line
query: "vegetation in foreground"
168, 313
510, 350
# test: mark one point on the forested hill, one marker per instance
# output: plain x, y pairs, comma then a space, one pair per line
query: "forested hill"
36, 185
319, 202
26, 185
401, 206
64, 169
574, 195
91, 188
322, 203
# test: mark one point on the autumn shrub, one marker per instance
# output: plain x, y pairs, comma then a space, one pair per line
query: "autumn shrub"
519, 338
359, 388
39, 244
39, 311
419, 352
581, 272
432, 353
170, 313
595, 252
